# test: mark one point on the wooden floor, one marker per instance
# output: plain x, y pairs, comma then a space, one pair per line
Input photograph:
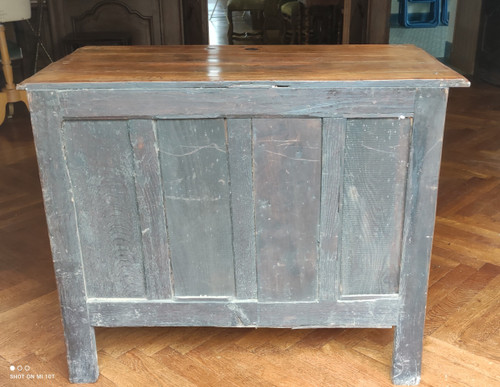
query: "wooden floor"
462, 335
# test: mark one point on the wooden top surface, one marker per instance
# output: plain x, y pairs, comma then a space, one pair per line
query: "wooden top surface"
385, 64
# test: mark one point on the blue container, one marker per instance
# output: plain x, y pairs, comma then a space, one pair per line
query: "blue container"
419, 20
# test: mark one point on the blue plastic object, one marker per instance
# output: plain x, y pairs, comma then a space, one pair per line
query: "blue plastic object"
444, 13
419, 20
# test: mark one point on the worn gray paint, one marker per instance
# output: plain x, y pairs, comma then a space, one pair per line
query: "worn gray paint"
239, 102
374, 183
151, 209
66, 254
378, 313
239, 134
194, 164
420, 212
287, 175
104, 193
232, 206
330, 227
390, 84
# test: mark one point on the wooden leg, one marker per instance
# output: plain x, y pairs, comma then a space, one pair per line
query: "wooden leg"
3, 105
23, 96
81, 351
7, 100
9, 94
421, 198
407, 355
10, 109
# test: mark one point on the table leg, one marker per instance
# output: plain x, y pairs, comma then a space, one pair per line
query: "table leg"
420, 207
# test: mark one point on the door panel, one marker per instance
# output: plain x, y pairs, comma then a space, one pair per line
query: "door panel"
287, 173
375, 169
195, 177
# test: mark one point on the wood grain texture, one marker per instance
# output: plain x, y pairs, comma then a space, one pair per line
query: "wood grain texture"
242, 206
287, 176
216, 102
195, 178
460, 348
104, 192
215, 64
423, 172
330, 226
63, 231
298, 315
151, 210
374, 187
286, 143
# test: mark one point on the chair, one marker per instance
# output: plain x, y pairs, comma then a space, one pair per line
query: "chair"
10, 11
290, 15
254, 6
16, 60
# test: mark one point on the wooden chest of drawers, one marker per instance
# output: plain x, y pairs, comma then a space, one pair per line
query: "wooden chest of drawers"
241, 186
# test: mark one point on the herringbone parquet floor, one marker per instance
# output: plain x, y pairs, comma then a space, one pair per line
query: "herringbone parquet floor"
462, 336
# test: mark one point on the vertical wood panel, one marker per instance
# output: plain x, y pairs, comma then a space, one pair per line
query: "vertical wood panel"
287, 177
151, 211
376, 157
100, 162
242, 206
194, 166
331, 184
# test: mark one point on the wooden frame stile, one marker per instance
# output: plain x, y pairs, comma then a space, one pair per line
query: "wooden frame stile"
66, 253
425, 159
330, 217
240, 150
157, 263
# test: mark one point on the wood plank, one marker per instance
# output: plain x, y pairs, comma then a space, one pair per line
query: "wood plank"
331, 185
149, 193
374, 187
215, 102
379, 313
215, 64
420, 208
242, 206
63, 230
287, 177
195, 178
106, 209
